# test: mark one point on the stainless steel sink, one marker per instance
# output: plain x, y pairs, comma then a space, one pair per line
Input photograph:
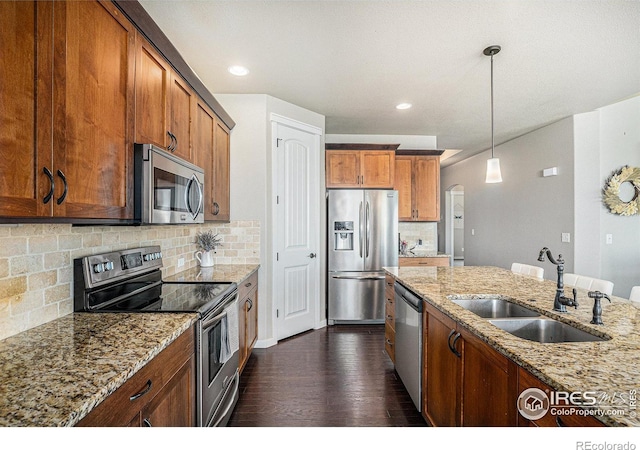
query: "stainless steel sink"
489, 308
545, 330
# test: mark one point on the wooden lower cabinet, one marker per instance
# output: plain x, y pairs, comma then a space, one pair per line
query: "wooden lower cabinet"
390, 318
248, 317
465, 382
162, 393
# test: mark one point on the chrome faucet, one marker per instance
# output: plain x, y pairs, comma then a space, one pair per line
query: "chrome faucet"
560, 302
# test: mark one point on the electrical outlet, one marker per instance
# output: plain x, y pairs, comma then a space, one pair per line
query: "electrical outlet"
566, 237
473, 232
180, 262
609, 238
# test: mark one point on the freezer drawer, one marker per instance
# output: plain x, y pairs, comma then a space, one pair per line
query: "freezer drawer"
356, 297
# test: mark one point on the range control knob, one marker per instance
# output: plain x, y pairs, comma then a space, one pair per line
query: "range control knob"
158, 255
98, 268
147, 257
108, 265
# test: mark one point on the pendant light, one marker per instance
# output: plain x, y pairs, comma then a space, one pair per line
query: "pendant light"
493, 164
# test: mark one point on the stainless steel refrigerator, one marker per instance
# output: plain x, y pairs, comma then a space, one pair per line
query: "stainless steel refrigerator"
362, 239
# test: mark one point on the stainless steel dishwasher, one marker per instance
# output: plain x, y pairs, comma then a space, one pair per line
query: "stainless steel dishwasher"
409, 342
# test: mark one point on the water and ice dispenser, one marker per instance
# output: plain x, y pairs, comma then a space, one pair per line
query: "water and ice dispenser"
343, 235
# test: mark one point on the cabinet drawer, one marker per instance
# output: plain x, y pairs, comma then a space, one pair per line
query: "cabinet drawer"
390, 342
431, 261
247, 285
119, 408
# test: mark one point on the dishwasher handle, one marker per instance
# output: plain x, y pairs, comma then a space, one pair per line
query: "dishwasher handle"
408, 297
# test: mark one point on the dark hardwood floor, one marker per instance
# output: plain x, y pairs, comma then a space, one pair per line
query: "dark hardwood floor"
338, 376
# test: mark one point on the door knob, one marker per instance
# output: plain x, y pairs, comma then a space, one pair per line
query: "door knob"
312, 255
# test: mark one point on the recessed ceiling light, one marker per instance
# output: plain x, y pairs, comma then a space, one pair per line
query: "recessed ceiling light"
238, 71
403, 106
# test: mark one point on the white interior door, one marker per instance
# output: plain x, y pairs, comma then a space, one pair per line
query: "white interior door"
297, 268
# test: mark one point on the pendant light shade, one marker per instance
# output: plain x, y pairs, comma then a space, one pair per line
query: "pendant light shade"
493, 171
493, 164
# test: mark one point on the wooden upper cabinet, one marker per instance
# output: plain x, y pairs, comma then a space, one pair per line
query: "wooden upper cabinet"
404, 186
418, 185
221, 173
153, 78
67, 110
25, 115
182, 111
211, 152
360, 168
343, 168
93, 111
165, 104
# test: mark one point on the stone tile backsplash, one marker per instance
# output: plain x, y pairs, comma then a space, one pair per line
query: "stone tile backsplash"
413, 231
36, 261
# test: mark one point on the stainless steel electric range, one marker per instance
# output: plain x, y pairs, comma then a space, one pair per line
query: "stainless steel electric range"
131, 281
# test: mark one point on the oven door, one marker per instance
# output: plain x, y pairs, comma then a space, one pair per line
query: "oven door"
218, 372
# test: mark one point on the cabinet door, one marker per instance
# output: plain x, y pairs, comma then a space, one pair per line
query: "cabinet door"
152, 88
343, 168
25, 115
203, 153
427, 188
404, 185
252, 320
93, 111
377, 169
489, 384
173, 406
182, 105
221, 173
442, 377
242, 329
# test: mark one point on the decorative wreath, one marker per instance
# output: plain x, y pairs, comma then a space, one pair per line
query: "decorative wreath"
611, 191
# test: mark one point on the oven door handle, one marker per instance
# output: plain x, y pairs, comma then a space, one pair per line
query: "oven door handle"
213, 322
230, 400
209, 323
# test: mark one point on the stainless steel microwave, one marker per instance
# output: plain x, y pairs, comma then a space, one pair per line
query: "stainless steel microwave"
167, 189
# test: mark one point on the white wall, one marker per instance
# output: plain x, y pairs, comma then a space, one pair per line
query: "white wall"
251, 182
514, 219
619, 146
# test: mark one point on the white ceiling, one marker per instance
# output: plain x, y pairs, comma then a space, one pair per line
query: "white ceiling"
353, 61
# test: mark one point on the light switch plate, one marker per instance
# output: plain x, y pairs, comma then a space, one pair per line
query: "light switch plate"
180, 262
566, 237
609, 238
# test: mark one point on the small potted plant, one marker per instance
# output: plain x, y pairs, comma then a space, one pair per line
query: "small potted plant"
207, 241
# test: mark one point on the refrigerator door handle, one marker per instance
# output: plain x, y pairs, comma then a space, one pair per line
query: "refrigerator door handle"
368, 225
360, 228
348, 277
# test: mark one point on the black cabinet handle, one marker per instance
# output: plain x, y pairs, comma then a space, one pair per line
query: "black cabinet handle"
66, 188
146, 423
389, 342
247, 285
142, 392
216, 208
49, 175
453, 345
174, 142
250, 304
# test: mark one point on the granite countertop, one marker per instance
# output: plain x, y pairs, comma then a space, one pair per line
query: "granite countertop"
233, 273
54, 374
609, 367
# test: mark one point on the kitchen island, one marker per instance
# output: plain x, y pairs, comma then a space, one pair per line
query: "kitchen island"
608, 368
